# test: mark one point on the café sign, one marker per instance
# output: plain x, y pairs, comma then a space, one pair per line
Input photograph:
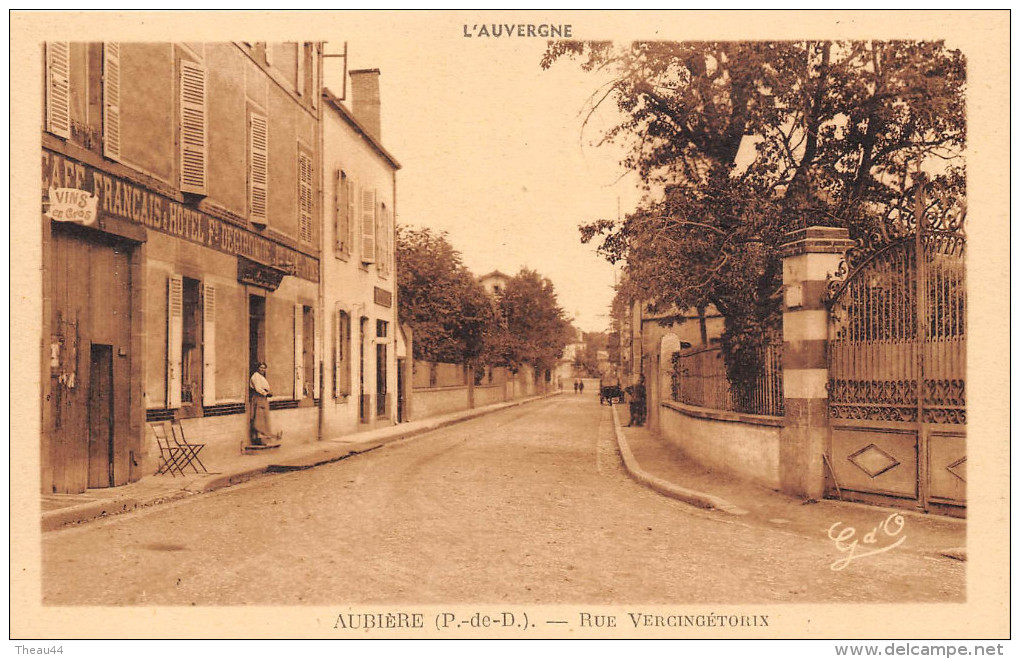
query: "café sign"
79, 193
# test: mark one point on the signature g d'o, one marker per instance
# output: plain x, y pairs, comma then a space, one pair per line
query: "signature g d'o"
882, 538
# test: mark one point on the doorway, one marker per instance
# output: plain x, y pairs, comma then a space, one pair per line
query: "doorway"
100, 413
256, 332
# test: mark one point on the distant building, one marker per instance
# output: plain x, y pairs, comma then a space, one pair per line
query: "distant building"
495, 282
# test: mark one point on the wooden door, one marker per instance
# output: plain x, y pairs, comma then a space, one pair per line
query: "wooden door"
91, 293
100, 414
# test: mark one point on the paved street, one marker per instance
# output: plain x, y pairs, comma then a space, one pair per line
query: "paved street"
529, 505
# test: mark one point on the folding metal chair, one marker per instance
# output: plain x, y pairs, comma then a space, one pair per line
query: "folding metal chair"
189, 451
170, 454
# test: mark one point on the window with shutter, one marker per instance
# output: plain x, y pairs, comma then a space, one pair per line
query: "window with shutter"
305, 198
342, 359
209, 345
175, 339
352, 215
258, 169
368, 214
58, 92
299, 380
341, 210
194, 138
111, 100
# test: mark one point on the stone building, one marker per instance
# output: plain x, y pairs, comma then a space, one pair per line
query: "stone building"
181, 231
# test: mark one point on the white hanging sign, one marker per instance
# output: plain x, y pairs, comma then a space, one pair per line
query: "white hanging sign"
73, 205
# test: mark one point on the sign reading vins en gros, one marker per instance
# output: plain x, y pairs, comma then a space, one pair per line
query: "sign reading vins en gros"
72, 205
67, 182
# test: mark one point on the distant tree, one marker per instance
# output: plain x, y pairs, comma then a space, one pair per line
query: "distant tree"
448, 310
743, 141
536, 330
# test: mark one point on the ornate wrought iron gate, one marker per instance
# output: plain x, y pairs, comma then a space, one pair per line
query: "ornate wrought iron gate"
897, 369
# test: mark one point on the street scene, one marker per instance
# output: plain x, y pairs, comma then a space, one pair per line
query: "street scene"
505, 312
528, 505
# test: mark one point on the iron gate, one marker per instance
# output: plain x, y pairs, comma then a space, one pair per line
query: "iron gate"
897, 370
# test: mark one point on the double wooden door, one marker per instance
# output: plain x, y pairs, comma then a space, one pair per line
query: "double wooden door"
90, 360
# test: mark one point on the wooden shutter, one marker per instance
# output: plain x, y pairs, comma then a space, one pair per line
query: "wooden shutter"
316, 356
111, 100
299, 380
258, 169
305, 196
209, 345
194, 130
352, 214
58, 88
368, 226
174, 341
341, 205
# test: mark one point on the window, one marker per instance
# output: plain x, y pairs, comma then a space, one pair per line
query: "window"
342, 355
258, 168
368, 226
58, 92
111, 100
382, 241
305, 196
381, 328
342, 203
193, 128
191, 351
305, 353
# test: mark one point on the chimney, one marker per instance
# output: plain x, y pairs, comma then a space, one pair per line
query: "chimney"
365, 93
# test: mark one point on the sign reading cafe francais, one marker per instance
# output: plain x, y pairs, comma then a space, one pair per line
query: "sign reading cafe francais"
120, 199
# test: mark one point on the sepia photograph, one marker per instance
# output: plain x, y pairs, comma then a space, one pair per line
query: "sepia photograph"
486, 324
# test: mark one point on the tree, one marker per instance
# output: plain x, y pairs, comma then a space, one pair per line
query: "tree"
536, 328
740, 142
450, 313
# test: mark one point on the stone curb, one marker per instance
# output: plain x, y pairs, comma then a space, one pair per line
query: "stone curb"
86, 512
691, 497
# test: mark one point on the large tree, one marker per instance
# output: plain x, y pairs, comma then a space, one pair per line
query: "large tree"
737, 143
535, 328
448, 310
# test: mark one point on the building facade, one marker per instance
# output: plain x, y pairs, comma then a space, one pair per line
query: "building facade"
364, 387
181, 194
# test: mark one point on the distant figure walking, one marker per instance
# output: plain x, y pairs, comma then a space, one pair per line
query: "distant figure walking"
259, 394
577, 384
580, 387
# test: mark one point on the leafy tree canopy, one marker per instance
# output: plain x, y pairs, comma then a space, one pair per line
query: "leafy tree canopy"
737, 143
448, 310
536, 329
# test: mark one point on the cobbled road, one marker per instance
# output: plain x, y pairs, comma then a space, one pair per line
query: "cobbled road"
529, 505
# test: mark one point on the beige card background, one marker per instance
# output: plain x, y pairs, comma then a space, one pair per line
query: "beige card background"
982, 36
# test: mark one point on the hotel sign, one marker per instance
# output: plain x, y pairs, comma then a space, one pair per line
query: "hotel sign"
118, 198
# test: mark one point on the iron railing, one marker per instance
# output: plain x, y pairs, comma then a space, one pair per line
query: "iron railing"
699, 379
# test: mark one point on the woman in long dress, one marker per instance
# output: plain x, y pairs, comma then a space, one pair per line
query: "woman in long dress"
259, 394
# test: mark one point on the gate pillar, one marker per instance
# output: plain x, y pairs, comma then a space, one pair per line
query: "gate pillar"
809, 256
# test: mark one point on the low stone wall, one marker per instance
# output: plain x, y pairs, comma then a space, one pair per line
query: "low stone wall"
489, 394
439, 400
743, 444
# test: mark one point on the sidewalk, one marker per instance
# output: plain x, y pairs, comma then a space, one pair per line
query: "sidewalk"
60, 510
663, 467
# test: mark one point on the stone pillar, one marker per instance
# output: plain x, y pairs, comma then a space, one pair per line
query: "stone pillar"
809, 256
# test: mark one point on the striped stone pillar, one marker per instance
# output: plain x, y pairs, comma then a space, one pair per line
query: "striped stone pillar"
809, 256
